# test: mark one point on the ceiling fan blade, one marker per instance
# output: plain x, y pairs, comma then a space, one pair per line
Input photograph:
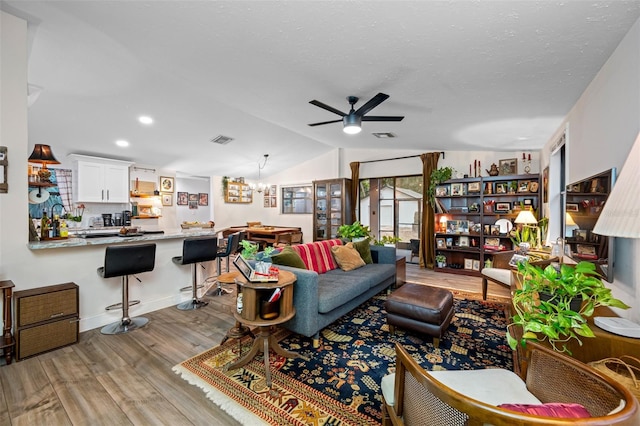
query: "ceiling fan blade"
327, 107
325, 122
381, 118
372, 103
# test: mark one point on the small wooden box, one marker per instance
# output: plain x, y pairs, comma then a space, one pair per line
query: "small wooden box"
46, 319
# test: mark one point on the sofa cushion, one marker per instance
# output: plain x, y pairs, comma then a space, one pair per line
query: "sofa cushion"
288, 257
317, 255
347, 257
493, 386
337, 287
364, 248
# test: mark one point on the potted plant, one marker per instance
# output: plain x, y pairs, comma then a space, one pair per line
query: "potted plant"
356, 231
438, 176
387, 240
543, 303
263, 258
441, 260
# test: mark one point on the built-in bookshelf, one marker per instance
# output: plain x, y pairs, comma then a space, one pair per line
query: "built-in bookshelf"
474, 218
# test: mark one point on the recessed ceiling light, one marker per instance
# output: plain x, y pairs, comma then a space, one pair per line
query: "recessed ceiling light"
122, 143
144, 119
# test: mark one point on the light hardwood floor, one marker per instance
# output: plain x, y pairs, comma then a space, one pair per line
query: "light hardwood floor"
127, 379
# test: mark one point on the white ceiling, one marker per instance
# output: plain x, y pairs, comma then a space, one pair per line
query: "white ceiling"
467, 75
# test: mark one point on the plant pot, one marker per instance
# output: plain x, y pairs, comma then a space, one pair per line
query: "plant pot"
442, 264
575, 304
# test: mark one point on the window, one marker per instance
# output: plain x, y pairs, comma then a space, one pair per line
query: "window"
297, 199
392, 206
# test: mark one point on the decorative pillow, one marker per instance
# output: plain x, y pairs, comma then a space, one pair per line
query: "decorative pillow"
288, 257
347, 257
565, 411
317, 255
364, 248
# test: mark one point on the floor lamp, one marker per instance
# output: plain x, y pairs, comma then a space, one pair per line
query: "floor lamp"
619, 218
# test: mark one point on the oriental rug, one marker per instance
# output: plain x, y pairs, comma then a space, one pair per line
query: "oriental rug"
340, 381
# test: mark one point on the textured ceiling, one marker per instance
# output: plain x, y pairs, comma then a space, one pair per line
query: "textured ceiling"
467, 75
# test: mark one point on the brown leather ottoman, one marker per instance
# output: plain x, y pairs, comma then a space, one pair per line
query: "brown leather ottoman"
420, 308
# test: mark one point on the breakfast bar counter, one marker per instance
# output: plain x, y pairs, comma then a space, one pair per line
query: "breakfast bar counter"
76, 260
108, 240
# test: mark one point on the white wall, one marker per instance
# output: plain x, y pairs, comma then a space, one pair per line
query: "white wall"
192, 186
603, 124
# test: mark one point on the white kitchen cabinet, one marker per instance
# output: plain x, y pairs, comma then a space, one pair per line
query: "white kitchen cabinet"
100, 180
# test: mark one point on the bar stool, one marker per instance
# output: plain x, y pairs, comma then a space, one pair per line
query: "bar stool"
195, 251
122, 261
231, 248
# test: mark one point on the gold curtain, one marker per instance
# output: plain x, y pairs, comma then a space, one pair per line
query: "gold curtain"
427, 230
355, 185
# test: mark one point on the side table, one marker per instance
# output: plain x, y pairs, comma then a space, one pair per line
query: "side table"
256, 312
401, 270
8, 343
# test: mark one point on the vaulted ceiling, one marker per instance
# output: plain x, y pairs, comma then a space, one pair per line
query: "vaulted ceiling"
467, 75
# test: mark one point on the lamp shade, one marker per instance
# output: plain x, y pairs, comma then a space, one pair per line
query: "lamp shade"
352, 124
42, 154
619, 217
526, 217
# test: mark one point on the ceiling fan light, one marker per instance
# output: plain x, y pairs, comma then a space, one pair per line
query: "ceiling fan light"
352, 124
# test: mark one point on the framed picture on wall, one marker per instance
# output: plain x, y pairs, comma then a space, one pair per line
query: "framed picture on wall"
183, 199
167, 199
166, 184
203, 199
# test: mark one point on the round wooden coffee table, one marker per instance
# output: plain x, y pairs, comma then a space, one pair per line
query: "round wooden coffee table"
257, 313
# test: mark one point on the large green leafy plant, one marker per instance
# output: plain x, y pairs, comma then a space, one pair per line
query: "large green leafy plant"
543, 303
354, 230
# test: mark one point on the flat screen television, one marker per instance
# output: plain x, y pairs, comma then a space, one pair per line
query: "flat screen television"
584, 201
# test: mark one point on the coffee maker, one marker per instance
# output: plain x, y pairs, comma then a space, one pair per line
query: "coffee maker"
126, 217
107, 219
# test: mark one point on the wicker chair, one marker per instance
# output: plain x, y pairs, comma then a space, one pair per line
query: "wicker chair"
420, 399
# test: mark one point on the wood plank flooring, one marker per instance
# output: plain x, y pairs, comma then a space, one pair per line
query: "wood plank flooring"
127, 379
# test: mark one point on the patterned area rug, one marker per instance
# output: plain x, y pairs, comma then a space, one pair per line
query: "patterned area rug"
340, 384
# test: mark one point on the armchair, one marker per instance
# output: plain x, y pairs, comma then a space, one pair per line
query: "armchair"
499, 273
414, 396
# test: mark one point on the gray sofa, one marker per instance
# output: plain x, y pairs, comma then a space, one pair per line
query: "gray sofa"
320, 299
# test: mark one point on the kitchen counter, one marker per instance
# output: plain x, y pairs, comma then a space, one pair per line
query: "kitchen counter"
106, 240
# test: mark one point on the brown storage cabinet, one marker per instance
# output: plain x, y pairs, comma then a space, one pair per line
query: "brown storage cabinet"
46, 319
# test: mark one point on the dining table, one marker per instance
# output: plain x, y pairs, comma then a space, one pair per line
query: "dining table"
262, 234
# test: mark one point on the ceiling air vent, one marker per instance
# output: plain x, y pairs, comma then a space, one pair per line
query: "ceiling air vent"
222, 140
384, 135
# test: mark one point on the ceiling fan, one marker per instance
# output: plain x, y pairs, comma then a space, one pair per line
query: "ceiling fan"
352, 121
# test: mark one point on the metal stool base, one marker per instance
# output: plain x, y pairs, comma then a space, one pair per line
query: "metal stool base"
219, 291
122, 327
190, 305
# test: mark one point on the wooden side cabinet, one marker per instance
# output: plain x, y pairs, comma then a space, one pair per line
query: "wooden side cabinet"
8, 343
46, 319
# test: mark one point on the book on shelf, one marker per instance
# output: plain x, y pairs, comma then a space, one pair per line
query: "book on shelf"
440, 208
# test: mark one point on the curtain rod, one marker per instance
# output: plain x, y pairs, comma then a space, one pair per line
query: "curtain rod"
144, 169
396, 158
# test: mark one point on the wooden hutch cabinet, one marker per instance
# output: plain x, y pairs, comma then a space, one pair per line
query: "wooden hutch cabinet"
331, 207
474, 210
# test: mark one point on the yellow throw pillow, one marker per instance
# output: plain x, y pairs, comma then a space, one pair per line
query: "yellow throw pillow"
347, 257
